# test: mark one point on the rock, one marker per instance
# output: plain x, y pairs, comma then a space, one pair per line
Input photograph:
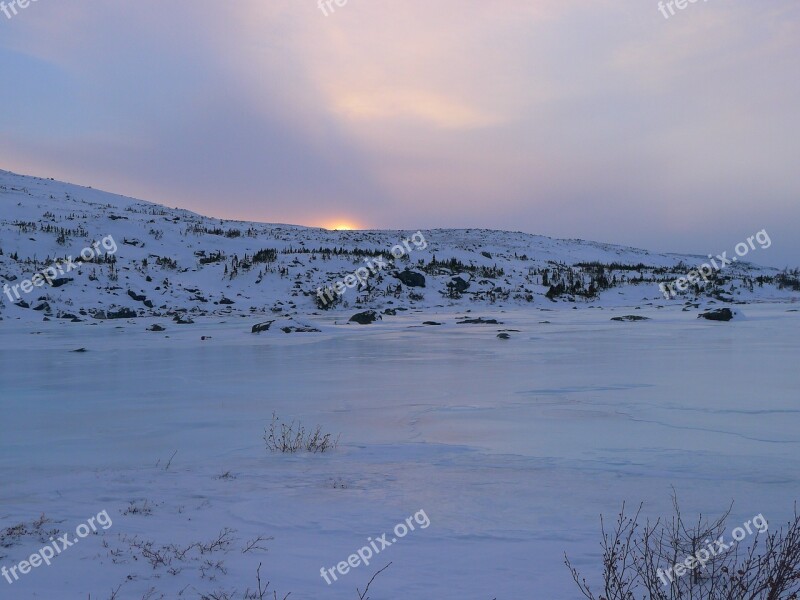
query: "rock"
503, 336
365, 318
458, 284
391, 312
137, 297
259, 327
156, 327
23, 304
411, 278
486, 254
718, 314
630, 318
44, 306
295, 329
226, 301
60, 281
79, 350
184, 321
479, 321
122, 313
431, 323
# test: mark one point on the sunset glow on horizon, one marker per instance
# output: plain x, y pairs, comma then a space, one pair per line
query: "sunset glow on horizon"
342, 224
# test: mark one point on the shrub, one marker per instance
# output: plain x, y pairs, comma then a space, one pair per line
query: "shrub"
289, 438
636, 556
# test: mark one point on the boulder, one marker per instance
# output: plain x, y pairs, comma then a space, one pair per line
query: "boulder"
458, 285
411, 278
122, 313
365, 318
718, 314
259, 327
479, 321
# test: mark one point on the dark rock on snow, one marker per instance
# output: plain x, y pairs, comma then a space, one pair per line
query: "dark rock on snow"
411, 278
479, 321
259, 327
718, 314
365, 318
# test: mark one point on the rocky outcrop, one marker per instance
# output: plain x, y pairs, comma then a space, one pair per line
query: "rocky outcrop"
479, 321
261, 327
365, 318
411, 278
718, 314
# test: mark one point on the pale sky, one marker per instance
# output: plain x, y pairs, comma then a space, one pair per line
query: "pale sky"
595, 119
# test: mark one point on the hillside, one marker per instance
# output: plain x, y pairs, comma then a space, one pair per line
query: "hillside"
152, 261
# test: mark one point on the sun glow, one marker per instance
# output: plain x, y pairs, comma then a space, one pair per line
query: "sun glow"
341, 226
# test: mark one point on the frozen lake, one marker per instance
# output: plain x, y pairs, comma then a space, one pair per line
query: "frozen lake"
513, 447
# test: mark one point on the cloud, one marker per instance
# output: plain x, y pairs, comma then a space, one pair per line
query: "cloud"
597, 120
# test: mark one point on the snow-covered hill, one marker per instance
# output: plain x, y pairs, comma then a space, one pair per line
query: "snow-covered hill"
154, 261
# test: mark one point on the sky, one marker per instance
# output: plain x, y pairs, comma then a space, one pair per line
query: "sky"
595, 119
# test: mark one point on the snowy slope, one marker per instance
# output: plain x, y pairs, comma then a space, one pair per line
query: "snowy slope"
171, 261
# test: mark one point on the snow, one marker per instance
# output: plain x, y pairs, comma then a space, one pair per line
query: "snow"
513, 448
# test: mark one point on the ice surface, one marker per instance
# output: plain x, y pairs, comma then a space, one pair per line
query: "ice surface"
512, 447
